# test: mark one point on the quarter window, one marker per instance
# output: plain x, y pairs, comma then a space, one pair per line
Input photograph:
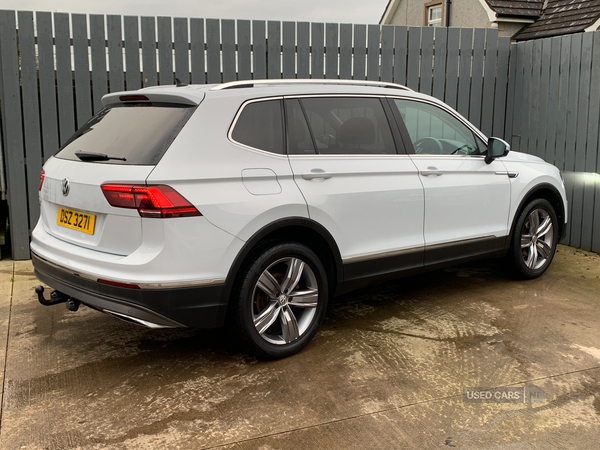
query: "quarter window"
345, 125
434, 131
260, 126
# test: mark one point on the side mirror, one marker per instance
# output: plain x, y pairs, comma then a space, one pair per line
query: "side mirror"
495, 149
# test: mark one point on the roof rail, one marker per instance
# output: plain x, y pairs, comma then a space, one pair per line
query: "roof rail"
275, 82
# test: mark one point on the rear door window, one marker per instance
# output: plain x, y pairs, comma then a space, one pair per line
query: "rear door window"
348, 125
140, 133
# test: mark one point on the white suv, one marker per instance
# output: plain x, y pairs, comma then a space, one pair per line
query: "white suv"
254, 202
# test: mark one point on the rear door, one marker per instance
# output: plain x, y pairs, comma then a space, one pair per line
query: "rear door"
345, 162
133, 137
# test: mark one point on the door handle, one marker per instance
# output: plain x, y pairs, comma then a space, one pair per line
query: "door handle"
431, 171
316, 174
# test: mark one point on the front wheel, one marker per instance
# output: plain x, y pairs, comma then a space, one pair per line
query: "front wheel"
281, 300
534, 239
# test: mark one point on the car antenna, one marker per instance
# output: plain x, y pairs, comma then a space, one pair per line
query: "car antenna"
179, 83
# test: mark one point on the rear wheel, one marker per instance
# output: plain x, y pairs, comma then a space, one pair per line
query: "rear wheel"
534, 239
281, 300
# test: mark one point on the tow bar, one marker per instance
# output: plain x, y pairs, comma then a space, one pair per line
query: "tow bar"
56, 298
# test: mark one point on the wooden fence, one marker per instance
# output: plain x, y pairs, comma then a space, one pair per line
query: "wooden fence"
554, 113
55, 68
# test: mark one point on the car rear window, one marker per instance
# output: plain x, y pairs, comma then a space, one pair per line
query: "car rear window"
140, 133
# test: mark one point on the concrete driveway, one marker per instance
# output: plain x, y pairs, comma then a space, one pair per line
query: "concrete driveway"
386, 371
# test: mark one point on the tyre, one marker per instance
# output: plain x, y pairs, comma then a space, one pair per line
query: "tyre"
281, 300
534, 239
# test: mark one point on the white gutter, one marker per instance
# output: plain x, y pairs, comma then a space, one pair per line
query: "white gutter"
389, 12
489, 11
593, 27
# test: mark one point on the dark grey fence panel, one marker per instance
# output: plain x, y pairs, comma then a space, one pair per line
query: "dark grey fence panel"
439, 62
373, 52
414, 53
149, 51
452, 62
289, 52
182, 54
400, 54
590, 230
197, 51
47, 84
303, 45
228, 50
213, 50
489, 79
64, 77
534, 112
83, 89
98, 52
477, 77
464, 80
426, 81
345, 51
553, 96
544, 84
132, 53
387, 53
115, 53
244, 50
577, 204
274, 49
360, 52
165, 51
331, 51
501, 91
318, 42
259, 55
31, 118
13, 135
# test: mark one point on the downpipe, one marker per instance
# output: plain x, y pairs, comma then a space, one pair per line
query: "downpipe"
57, 297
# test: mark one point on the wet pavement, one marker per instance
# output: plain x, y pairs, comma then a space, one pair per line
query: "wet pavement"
386, 371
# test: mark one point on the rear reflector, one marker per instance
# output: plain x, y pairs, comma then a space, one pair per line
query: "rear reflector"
133, 98
158, 201
42, 177
116, 283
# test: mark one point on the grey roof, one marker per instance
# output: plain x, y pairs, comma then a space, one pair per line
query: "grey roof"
562, 17
521, 8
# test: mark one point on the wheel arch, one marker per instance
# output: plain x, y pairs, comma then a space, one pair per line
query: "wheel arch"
298, 229
548, 192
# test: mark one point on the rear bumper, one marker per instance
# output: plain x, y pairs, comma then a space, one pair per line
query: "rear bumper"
194, 306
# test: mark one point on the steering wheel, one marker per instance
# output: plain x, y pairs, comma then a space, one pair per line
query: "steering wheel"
329, 141
428, 145
462, 150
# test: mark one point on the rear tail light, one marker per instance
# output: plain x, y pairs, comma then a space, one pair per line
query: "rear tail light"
158, 201
42, 176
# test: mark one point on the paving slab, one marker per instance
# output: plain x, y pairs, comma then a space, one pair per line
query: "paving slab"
387, 370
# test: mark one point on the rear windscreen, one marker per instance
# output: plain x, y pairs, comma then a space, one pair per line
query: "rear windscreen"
140, 133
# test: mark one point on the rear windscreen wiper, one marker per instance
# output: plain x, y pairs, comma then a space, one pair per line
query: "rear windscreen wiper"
90, 156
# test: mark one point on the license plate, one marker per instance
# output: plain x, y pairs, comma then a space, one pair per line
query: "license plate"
76, 220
